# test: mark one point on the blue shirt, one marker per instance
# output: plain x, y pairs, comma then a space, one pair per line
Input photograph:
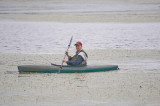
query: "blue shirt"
78, 61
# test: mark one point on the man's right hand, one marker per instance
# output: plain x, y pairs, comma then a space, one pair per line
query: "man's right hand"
67, 53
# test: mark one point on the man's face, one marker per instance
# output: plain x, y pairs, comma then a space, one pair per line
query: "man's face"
78, 47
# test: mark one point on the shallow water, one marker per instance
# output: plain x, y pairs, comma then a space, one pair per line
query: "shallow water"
50, 37
135, 83
53, 6
124, 33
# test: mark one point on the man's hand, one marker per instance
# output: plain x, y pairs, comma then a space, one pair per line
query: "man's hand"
67, 53
64, 60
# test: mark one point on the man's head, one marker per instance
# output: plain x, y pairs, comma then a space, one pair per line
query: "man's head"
78, 46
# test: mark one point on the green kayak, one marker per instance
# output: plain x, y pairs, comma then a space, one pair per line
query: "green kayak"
65, 68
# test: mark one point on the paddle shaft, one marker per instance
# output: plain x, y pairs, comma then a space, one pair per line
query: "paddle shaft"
65, 55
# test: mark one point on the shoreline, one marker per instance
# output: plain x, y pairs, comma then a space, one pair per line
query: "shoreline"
86, 17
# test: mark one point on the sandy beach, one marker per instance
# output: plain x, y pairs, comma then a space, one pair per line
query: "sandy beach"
123, 33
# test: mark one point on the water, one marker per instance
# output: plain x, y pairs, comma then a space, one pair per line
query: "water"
46, 37
125, 33
54, 6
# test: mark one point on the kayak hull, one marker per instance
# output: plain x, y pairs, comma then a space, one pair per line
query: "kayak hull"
65, 69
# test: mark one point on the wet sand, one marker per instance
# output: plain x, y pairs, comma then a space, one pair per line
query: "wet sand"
136, 83
73, 17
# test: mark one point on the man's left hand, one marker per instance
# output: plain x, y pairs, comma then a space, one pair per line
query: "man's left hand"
64, 60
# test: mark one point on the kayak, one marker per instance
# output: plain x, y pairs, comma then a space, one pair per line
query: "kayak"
65, 68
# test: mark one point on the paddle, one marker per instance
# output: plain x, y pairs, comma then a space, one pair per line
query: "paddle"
65, 54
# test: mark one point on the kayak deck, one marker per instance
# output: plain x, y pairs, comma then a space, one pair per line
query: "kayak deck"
65, 69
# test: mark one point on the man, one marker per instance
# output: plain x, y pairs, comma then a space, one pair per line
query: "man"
80, 58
